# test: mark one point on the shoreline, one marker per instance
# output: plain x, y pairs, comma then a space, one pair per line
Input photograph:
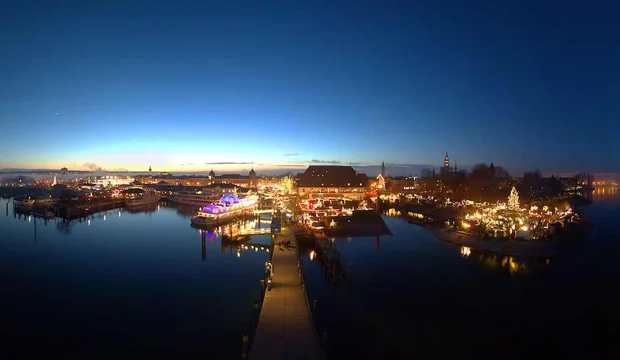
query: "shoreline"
500, 247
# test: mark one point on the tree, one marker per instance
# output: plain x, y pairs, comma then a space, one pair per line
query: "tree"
286, 184
513, 199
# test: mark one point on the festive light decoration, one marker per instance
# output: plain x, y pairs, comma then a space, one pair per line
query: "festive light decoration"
286, 184
513, 199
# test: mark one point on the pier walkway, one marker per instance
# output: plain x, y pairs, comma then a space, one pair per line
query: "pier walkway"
285, 328
266, 211
249, 232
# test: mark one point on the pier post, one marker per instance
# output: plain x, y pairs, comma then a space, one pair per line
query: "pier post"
203, 241
246, 341
256, 316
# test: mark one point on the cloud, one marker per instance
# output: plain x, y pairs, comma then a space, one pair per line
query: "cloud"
290, 165
334, 162
228, 163
96, 168
290, 154
405, 165
189, 164
92, 166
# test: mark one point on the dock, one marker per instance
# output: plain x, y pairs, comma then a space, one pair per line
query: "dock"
285, 327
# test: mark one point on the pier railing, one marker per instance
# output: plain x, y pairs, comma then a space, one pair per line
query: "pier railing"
300, 266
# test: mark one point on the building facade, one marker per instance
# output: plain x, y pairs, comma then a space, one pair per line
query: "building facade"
402, 184
331, 181
249, 181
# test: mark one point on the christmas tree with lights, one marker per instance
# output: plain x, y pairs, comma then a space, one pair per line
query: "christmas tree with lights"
513, 199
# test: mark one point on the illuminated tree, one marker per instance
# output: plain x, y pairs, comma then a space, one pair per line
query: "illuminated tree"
513, 199
286, 184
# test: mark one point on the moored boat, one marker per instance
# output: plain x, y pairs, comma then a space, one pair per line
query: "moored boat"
144, 199
193, 199
227, 208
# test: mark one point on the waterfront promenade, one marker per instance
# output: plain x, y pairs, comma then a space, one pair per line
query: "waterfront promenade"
285, 327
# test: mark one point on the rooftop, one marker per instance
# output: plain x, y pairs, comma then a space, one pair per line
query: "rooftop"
331, 175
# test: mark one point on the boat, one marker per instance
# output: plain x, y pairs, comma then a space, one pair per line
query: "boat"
144, 199
227, 208
194, 199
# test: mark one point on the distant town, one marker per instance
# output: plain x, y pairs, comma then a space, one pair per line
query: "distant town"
484, 202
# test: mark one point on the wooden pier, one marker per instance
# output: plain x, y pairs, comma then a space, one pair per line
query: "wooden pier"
285, 327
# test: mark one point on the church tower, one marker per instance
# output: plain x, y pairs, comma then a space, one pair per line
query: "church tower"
252, 176
150, 171
383, 169
446, 165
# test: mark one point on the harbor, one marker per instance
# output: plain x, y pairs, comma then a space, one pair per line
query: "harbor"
301, 266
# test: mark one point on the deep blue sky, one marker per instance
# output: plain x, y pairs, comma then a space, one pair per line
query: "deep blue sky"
523, 84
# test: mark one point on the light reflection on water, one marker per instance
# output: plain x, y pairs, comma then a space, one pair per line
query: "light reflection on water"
136, 281
417, 294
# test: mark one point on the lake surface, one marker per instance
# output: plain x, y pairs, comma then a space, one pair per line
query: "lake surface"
136, 285
413, 296
123, 283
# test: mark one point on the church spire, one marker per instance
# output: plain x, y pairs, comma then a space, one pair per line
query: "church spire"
383, 169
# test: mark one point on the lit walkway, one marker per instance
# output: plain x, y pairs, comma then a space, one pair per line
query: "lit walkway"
267, 211
285, 327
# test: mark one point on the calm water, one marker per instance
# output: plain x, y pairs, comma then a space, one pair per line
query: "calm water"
136, 284
123, 283
412, 296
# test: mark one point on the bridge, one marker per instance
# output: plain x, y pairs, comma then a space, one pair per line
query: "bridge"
285, 327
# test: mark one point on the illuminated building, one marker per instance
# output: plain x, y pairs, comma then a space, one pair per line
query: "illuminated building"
331, 181
402, 184
446, 169
249, 181
109, 180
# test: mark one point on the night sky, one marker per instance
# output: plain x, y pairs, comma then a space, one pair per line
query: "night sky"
190, 86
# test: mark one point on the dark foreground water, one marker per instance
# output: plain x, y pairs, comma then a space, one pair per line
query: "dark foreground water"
412, 296
123, 285
135, 285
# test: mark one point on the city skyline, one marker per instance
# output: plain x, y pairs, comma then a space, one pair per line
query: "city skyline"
123, 86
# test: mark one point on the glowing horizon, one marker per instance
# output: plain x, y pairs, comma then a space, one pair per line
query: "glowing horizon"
123, 95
